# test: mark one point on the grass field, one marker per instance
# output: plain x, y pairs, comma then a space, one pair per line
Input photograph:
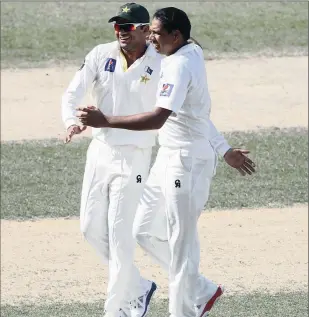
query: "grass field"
36, 33
50, 173
45, 263
254, 305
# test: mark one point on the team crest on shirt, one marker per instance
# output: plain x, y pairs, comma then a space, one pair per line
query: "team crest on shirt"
110, 65
148, 70
144, 79
166, 90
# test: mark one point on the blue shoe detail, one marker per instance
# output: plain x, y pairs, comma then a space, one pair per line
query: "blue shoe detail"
149, 295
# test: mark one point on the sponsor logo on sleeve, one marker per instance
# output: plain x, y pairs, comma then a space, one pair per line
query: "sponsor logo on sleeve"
110, 65
166, 90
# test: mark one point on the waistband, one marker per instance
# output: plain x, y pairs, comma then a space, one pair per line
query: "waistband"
202, 153
119, 148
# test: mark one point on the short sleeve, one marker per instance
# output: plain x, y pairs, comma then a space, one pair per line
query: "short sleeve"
173, 86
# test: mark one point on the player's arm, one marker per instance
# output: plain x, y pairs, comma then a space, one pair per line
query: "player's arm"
144, 121
172, 91
217, 140
75, 92
236, 158
139, 122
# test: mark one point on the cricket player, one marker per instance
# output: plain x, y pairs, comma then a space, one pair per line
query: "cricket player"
180, 178
124, 76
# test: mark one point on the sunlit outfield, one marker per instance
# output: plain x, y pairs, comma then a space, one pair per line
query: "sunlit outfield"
43, 178
33, 33
254, 305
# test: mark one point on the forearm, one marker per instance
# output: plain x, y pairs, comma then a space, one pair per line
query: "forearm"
74, 94
68, 112
138, 122
217, 140
70, 100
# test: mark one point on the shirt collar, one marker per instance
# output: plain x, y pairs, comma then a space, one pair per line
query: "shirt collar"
183, 50
150, 51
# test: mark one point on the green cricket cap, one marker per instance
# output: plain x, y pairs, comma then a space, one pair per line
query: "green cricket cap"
133, 12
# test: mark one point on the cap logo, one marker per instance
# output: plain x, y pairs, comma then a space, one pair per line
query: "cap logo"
126, 9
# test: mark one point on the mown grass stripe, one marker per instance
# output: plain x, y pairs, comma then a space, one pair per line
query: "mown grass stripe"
43, 178
62, 31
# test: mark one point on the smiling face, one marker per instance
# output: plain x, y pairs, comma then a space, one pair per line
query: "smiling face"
164, 42
131, 40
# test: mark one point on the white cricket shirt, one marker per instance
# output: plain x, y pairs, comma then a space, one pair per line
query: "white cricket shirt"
117, 91
183, 89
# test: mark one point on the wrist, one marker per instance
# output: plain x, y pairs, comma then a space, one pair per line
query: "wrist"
109, 121
70, 122
72, 126
227, 152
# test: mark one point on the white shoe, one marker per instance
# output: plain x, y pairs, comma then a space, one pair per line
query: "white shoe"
139, 307
121, 313
204, 309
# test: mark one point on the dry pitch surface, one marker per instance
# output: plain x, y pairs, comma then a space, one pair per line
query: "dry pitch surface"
247, 251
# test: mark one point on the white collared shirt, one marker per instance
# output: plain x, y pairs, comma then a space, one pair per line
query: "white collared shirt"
183, 89
117, 91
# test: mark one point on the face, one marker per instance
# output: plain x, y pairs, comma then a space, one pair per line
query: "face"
164, 42
130, 40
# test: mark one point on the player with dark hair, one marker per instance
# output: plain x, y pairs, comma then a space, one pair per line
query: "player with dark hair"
179, 181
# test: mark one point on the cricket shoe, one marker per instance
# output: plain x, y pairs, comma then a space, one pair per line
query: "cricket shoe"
139, 307
204, 309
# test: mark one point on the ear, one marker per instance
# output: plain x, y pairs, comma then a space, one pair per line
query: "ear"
146, 28
177, 35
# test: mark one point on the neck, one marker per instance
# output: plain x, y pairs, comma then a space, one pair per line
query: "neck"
177, 48
136, 54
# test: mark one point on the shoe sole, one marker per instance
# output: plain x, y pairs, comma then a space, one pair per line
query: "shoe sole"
210, 304
152, 290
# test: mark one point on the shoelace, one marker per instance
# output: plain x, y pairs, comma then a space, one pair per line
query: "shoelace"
137, 303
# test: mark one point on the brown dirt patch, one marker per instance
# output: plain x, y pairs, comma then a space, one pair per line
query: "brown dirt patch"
247, 94
264, 250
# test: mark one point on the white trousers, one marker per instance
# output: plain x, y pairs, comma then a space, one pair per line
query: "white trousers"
179, 185
113, 183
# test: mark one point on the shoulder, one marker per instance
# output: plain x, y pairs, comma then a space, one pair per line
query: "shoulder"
98, 55
176, 63
104, 50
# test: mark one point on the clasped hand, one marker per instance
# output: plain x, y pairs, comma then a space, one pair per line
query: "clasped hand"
92, 117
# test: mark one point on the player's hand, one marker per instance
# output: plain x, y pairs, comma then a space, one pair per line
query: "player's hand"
91, 116
72, 130
238, 159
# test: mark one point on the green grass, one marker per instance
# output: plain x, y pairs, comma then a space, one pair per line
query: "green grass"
254, 305
43, 178
33, 32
